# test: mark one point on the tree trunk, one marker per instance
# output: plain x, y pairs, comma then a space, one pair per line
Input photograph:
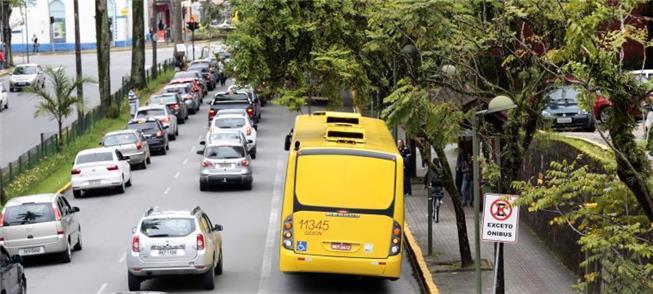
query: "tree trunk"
635, 178
78, 64
176, 24
103, 52
60, 128
138, 45
6, 13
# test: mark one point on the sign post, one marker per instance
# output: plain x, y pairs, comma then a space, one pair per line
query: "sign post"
500, 223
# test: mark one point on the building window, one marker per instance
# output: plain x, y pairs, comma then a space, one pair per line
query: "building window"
58, 12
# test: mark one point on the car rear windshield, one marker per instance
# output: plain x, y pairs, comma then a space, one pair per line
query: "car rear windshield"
150, 112
184, 75
145, 127
224, 152
230, 98
163, 99
225, 136
199, 67
180, 90
25, 70
29, 213
119, 139
94, 157
230, 122
167, 227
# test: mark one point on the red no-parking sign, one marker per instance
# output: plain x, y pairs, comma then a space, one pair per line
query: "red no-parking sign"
500, 218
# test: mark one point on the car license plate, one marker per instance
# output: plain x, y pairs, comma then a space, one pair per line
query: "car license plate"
224, 165
341, 246
30, 251
167, 252
563, 120
94, 182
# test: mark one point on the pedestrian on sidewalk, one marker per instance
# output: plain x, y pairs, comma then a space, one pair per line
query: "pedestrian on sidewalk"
466, 190
133, 102
35, 40
2, 59
405, 154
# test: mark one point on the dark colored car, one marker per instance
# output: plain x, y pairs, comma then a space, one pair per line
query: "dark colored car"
224, 100
174, 103
562, 111
12, 275
154, 132
205, 71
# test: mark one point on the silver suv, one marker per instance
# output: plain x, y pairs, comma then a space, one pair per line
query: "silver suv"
226, 162
167, 242
40, 224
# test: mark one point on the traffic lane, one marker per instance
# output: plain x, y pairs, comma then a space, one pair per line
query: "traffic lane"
106, 219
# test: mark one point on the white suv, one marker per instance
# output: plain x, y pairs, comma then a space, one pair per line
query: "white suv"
168, 242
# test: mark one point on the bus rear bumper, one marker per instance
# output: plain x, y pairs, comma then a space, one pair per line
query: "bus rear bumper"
290, 262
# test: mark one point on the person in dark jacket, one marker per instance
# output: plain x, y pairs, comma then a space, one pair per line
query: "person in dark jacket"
405, 154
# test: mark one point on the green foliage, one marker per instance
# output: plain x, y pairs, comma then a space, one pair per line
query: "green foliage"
612, 226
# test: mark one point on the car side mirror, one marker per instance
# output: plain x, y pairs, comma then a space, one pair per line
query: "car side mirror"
100, 143
200, 152
75, 209
133, 230
250, 141
202, 142
166, 127
256, 127
16, 259
217, 228
286, 146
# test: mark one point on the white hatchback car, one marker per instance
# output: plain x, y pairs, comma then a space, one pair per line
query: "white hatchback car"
4, 98
238, 122
100, 168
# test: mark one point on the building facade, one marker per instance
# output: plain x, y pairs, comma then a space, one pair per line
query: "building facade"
53, 23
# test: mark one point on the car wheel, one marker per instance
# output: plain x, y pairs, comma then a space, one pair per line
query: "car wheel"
208, 279
133, 282
591, 128
248, 185
129, 182
78, 246
218, 268
148, 160
163, 150
167, 146
172, 137
204, 186
23, 286
144, 164
121, 188
77, 193
11, 89
604, 114
254, 153
67, 254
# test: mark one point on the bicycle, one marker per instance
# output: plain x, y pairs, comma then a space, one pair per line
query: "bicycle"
438, 194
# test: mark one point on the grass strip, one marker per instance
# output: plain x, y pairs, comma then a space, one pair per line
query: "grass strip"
53, 172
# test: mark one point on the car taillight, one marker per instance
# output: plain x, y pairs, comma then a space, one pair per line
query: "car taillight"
60, 231
200, 242
75, 171
250, 112
2, 220
159, 134
139, 146
206, 163
248, 131
165, 120
287, 238
395, 239
175, 106
112, 167
136, 243
57, 213
245, 162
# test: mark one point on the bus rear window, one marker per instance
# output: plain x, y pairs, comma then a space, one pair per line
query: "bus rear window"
342, 181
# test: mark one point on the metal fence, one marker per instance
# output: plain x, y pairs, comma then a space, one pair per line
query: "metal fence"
49, 142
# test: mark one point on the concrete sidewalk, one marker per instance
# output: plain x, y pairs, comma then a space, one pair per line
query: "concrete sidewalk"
529, 265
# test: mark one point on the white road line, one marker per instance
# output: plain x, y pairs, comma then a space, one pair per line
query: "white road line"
192, 149
104, 286
199, 138
185, 160
266, 267
166, 191
177, 175
122, 257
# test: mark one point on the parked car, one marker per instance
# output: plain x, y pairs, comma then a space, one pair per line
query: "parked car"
190, 98
100, 168
602, 105
225, 163
12, 274
154, 132
130, 143
26, 75
179, 242
563, 112
206, 73
161, 113
4, 98
237, 122
175, 104
40, 224
183, 76
231, 100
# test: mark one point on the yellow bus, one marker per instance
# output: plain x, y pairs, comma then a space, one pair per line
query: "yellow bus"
343, 206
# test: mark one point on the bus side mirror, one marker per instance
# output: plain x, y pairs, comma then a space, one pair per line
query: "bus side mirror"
286, 146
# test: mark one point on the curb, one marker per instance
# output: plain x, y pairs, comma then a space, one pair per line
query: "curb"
417, 259
64, 188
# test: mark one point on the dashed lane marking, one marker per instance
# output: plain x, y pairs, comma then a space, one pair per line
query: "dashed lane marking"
166, 191
101, 290
185, 160
192, 149
266, 267
177, 175
122, 257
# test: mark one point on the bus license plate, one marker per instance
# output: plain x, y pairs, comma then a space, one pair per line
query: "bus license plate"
167, 252
341, 246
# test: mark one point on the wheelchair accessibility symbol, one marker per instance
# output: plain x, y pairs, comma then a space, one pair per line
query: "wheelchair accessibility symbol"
301, 246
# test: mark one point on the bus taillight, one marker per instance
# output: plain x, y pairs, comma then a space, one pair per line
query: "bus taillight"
395, 239
287, 238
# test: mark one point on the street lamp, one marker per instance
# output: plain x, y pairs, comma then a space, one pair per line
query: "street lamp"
497, 104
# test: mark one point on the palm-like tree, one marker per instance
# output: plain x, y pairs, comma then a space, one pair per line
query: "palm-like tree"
58, 102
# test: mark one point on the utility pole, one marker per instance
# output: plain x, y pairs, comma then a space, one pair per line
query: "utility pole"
78, 51
26, 32
153, 36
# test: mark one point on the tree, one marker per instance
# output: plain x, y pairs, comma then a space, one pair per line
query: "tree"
78, 62
103, 38
6, 8
138, 45
57, 104
176, 19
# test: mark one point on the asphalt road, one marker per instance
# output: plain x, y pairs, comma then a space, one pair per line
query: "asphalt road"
20, 130
250, 233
